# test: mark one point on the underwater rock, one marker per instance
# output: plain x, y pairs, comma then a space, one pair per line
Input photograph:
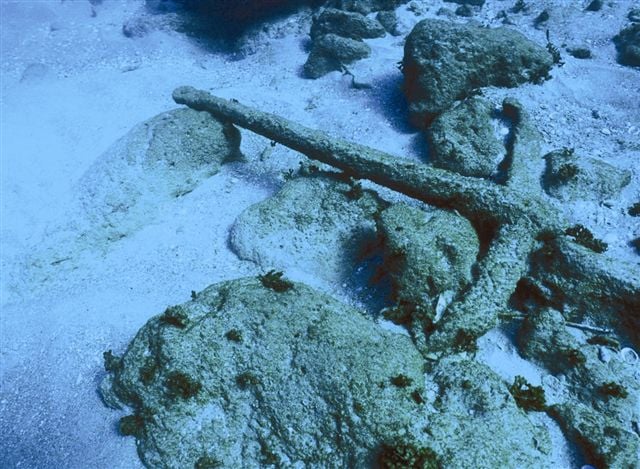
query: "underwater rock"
603, 291
543, 338
345, 24
580, 52
337, 41
331, 53
478, 423
250, 376
444, 62
389, 21
465, 11
464, 140
602, 440
426, 255
569, 177
159, 159
628, 45
311, 225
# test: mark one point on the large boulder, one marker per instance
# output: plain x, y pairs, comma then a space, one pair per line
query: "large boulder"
331, 53
260, 372
337, 38
346, 24
443, 62
313, 225
366, 6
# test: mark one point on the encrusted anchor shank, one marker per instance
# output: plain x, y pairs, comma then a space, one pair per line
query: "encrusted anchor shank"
474, 198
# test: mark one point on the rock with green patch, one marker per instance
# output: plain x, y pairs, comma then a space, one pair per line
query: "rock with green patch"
444, 62
478, 423
570, 177
311, 225
610, 300
602, 398
427, 255
309, 384
544, 338
464, 140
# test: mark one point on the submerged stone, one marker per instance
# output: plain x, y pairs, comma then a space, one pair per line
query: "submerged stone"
165, 157
569, 177
478, 423
444, 61
310, 383
426, 255
346, 24
311, 225
464, 140
628, 44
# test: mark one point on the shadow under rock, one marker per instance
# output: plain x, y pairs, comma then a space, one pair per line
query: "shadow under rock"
228, 30
386, 98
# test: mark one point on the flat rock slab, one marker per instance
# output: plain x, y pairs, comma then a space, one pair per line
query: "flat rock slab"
311, 225
443, 62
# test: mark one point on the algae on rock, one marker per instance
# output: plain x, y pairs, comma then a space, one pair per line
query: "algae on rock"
308, 384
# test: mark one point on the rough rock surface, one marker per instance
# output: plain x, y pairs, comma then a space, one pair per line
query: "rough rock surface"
478, 423
602, 439
337, 40
244, 373
604, 301
600, 407
313, 212
346, 24
570, 177
477, 3
544, 338
331, 52
628, 45
444, 62
426, 255
464, 140
162, 158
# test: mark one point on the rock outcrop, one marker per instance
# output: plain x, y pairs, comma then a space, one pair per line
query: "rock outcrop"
443, 62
